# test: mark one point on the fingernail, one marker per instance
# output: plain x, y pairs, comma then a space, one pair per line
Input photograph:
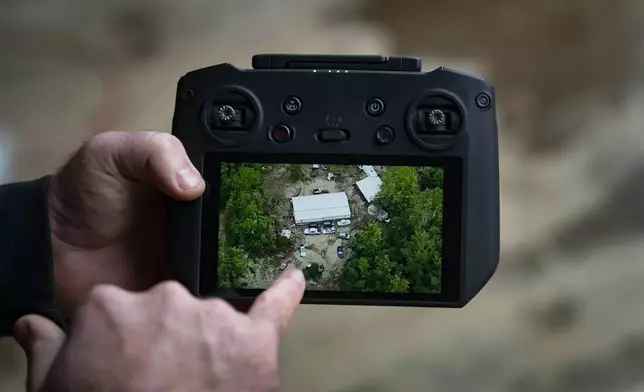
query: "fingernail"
188, 178
296, 275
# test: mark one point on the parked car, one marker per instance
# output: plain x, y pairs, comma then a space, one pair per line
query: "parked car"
327, 224
344, 222
340, 251
318, 191
314, 225
344, 236
302, 251
283, 266
328, 230
311, 231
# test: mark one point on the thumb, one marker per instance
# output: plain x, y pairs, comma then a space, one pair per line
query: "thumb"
41, 340
156, 157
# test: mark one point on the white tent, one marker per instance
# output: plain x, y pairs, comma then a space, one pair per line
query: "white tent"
378, 213
318, 208
369, 187
369, 171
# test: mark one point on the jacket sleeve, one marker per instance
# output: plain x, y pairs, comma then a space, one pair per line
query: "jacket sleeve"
26, 272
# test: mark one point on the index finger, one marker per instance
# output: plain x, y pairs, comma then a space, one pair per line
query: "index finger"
278, 303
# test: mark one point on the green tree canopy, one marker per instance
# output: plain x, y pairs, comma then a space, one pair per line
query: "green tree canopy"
232, 268
398, 190
430, 177
368, 242
405, 253
369, 268
249, 225
354, 274
422, 257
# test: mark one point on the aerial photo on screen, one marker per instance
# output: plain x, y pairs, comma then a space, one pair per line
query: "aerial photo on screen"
347, 227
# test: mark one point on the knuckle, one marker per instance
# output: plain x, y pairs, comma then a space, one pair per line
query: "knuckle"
219, 312
171, 292
172, 287
163, 143
105, 297
217, 306
103, 148
103, 293
102, 140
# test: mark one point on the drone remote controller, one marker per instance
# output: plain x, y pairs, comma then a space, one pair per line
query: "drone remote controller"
379, 181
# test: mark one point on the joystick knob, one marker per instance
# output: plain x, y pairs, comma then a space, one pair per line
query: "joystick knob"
436, 117
226, 113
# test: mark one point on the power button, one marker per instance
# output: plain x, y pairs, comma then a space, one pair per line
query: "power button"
375, 107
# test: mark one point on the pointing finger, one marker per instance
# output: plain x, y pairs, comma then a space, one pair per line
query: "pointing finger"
278, 303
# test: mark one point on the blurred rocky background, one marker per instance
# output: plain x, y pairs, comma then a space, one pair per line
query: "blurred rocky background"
565, 310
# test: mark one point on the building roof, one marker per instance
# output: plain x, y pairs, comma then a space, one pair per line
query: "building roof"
316, 208
369, 187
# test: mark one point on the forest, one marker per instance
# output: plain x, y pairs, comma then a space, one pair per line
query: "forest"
250, 230
404, 254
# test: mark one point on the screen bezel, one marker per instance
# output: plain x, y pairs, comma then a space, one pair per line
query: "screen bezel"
451, 270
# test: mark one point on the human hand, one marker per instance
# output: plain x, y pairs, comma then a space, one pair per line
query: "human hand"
106, 212
163, 339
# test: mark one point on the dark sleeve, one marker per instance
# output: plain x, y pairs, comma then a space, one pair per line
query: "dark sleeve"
26, 273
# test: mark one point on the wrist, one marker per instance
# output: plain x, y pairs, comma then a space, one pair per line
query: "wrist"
25, 253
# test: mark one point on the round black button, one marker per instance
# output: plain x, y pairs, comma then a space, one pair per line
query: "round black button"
483, 101
385, 135
375, 107
292, 105
281, 133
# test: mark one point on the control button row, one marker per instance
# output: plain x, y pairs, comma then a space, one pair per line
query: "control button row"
283, 133
292, 105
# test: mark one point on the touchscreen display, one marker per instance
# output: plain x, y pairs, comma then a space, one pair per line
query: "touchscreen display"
347, 227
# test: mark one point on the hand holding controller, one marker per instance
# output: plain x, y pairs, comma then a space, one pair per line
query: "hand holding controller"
378, 180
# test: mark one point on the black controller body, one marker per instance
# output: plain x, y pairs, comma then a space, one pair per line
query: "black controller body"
347, 109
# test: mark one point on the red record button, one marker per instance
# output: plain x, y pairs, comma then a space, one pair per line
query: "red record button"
281, 133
